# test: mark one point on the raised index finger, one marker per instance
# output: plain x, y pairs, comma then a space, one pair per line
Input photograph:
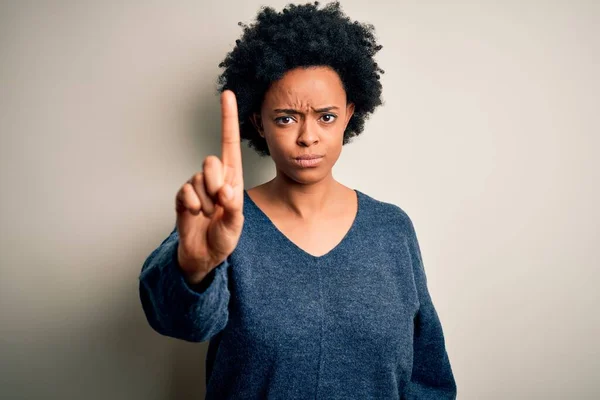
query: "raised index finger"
230, 131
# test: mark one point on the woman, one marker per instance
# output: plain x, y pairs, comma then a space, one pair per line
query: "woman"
305, 288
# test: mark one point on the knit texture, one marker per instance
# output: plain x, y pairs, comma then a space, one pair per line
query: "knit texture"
355, 323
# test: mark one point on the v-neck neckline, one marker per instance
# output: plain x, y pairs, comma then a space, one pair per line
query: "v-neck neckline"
299, 249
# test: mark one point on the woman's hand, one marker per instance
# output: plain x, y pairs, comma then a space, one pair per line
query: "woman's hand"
209, 205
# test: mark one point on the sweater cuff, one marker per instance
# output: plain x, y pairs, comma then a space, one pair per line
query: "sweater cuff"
203, 288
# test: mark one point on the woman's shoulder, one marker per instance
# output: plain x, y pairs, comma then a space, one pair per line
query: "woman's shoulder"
386, 212
382, 207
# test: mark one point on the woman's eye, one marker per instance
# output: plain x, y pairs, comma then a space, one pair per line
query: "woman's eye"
328, 118
284, 120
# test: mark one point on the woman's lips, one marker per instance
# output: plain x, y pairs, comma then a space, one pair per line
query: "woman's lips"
307, 163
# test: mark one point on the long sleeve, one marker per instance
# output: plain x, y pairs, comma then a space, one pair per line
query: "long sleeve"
432, 377
174, 308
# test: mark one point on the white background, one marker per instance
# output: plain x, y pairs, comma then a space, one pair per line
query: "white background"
488, 139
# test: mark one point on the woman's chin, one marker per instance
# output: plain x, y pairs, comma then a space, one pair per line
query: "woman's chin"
307, 176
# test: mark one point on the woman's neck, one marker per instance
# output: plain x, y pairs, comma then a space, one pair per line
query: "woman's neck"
306, 201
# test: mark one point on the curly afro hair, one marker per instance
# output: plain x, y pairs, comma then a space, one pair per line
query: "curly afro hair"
302, 36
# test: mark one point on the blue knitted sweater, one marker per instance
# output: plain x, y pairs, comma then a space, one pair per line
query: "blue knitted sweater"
355, 323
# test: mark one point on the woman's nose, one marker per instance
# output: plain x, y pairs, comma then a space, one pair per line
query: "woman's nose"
308, 134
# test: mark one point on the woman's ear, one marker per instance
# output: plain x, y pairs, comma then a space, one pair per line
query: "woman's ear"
256, 120
349, 113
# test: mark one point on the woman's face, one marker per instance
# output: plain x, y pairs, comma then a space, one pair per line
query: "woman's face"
305, 113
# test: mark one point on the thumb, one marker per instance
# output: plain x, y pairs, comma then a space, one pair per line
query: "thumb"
232, 204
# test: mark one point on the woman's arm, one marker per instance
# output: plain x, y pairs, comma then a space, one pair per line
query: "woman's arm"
173, 307
432, 376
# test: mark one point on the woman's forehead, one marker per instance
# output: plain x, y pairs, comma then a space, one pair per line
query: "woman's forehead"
307, 87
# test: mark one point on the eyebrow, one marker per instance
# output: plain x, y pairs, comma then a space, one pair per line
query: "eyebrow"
292, 111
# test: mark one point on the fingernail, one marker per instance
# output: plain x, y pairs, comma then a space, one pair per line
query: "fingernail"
228, 191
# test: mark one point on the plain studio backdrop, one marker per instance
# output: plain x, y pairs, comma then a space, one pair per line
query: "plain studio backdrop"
488, 139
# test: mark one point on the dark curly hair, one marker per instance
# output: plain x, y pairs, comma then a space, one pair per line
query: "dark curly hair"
302, 36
